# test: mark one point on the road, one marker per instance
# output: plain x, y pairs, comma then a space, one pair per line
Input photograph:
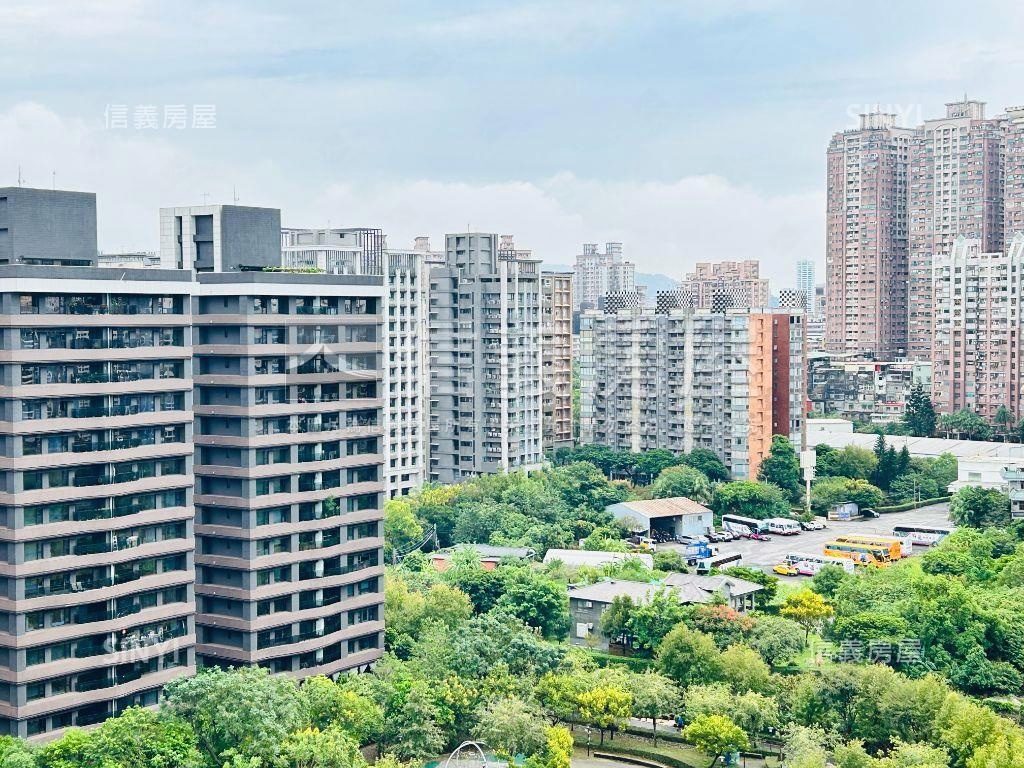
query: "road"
765, 554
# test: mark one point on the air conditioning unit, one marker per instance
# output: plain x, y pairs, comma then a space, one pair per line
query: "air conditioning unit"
320, 656
319, 626
318, 569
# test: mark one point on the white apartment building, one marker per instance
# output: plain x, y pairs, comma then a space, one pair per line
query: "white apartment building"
596, 274
977, 327
363, 251
679, 381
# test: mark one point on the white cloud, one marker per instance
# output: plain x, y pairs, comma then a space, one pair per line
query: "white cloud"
665, 226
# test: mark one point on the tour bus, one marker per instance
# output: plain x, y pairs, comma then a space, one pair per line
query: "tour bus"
897, 547
742, 525
783, 526
807, 564
719, 563
921, 535
861, 553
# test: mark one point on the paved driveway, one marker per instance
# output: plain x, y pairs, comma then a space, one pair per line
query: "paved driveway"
765, 554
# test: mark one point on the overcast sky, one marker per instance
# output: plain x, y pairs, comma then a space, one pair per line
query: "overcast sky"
689, 130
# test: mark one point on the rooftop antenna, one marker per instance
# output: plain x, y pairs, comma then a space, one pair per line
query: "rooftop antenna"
234, 194
54, 180
20, 180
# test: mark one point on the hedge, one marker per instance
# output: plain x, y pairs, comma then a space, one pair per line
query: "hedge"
634, 663
913, 505
614, 750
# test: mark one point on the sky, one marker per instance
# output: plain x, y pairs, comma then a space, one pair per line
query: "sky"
690, 130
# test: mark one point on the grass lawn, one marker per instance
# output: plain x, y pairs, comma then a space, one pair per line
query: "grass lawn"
682, 752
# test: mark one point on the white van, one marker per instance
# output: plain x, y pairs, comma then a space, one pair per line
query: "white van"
782, 526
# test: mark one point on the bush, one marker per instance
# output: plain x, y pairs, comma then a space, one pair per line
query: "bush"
912, 505
633, 663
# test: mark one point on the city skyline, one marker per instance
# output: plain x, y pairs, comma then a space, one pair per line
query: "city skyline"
684, 161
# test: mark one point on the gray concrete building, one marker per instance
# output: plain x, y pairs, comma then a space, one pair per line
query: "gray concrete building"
485, 359
220, 238
289, 455
96, 541
557, 341
45, 226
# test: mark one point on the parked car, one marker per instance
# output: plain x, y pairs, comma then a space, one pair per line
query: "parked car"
812, 525
686, 539
718, 536
867, 512
785, 569
759, 537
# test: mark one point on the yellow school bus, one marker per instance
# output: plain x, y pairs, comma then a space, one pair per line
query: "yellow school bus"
891, 544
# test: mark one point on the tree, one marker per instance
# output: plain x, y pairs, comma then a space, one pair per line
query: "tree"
650, 621
512, 727
654, 696
829, 579
411, 731
753, 712
709, 463
829, 491
805, 748
919, 415
605, 706
777, 639
885, 466
806, 608
137, 738
682, 481
715, 735
964, 423
745, 670
401, 528
329, 705
852, 461
535, 599
980, 507
245, 712
689, 657
313, 748
749, 499
651, 464
557, 751
781, 468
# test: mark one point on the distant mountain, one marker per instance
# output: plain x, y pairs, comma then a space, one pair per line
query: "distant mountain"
654, 282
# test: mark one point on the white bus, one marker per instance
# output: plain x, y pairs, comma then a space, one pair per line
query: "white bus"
783, 526
808, 564
742, 525
719, 563
921, 535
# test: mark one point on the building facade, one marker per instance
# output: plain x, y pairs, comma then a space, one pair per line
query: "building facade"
220, 238
556, 328
289, 471
486, 359
97, 606
956, 170
597, 274
866, 267
723, 285
47, 227
805, 284
976, 347
863, 391
680, 381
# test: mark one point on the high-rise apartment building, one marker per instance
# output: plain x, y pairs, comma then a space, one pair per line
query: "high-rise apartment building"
866, 238
485, 359
596, 274
805, 284
1013, 175
363, 251
289, 439
956, 188
723, 285
97, 607
556, 329
679, 380
976, 353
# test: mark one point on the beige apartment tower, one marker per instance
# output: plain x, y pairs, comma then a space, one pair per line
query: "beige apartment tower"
556, 327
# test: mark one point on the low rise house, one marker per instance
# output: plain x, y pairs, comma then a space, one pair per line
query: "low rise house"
490, 556
587, 604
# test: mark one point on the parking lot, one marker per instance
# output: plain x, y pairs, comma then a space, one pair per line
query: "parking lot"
765, 554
